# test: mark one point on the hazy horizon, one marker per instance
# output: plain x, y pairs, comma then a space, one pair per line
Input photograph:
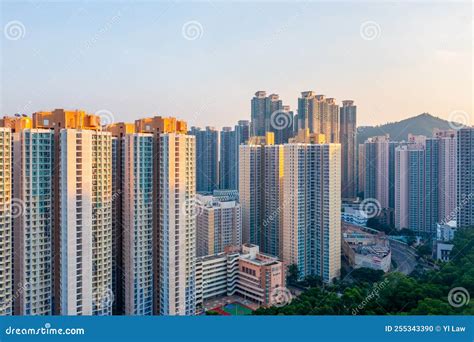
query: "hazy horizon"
203, 62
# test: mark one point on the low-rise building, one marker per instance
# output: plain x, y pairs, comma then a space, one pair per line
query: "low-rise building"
354, 215
242, 271
444, 235
364, 247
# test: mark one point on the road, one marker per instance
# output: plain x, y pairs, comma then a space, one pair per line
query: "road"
404, 256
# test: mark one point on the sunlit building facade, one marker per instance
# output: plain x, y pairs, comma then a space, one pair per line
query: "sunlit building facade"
6, 250
177, 224
85, 222
260, 192
33, 225
319, 114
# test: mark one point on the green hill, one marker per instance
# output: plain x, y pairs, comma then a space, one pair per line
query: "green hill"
422, 124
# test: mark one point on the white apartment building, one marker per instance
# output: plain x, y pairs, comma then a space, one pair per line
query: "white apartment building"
177, 224
86, 222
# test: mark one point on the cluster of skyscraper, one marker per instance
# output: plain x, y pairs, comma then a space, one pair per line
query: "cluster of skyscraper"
420, 182
316, 113
287, 170
96, 220
100, 220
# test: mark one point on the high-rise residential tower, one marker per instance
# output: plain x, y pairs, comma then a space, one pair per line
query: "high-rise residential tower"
33, 225
348, 136
242, 135
219, 224
137, 248
207, 162
85, 177
270, 115
447, 174
260, 181
379, 160
465, 177
423, 182
163, 158
6, 207
319, 114
311, 211
59, 121
242, 130
228, 168
119, 131
177, 224
409, 187
361, 170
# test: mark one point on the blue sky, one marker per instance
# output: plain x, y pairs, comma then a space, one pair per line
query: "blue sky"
132, 59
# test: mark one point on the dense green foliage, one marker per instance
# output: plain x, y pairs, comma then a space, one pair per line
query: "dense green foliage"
371, 293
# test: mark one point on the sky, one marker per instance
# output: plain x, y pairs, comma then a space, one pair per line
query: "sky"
203, 61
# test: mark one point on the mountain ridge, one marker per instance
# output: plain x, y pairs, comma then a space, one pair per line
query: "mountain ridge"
422, 124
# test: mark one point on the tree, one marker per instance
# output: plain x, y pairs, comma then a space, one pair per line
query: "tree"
292, 274
368, 275
394, 293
